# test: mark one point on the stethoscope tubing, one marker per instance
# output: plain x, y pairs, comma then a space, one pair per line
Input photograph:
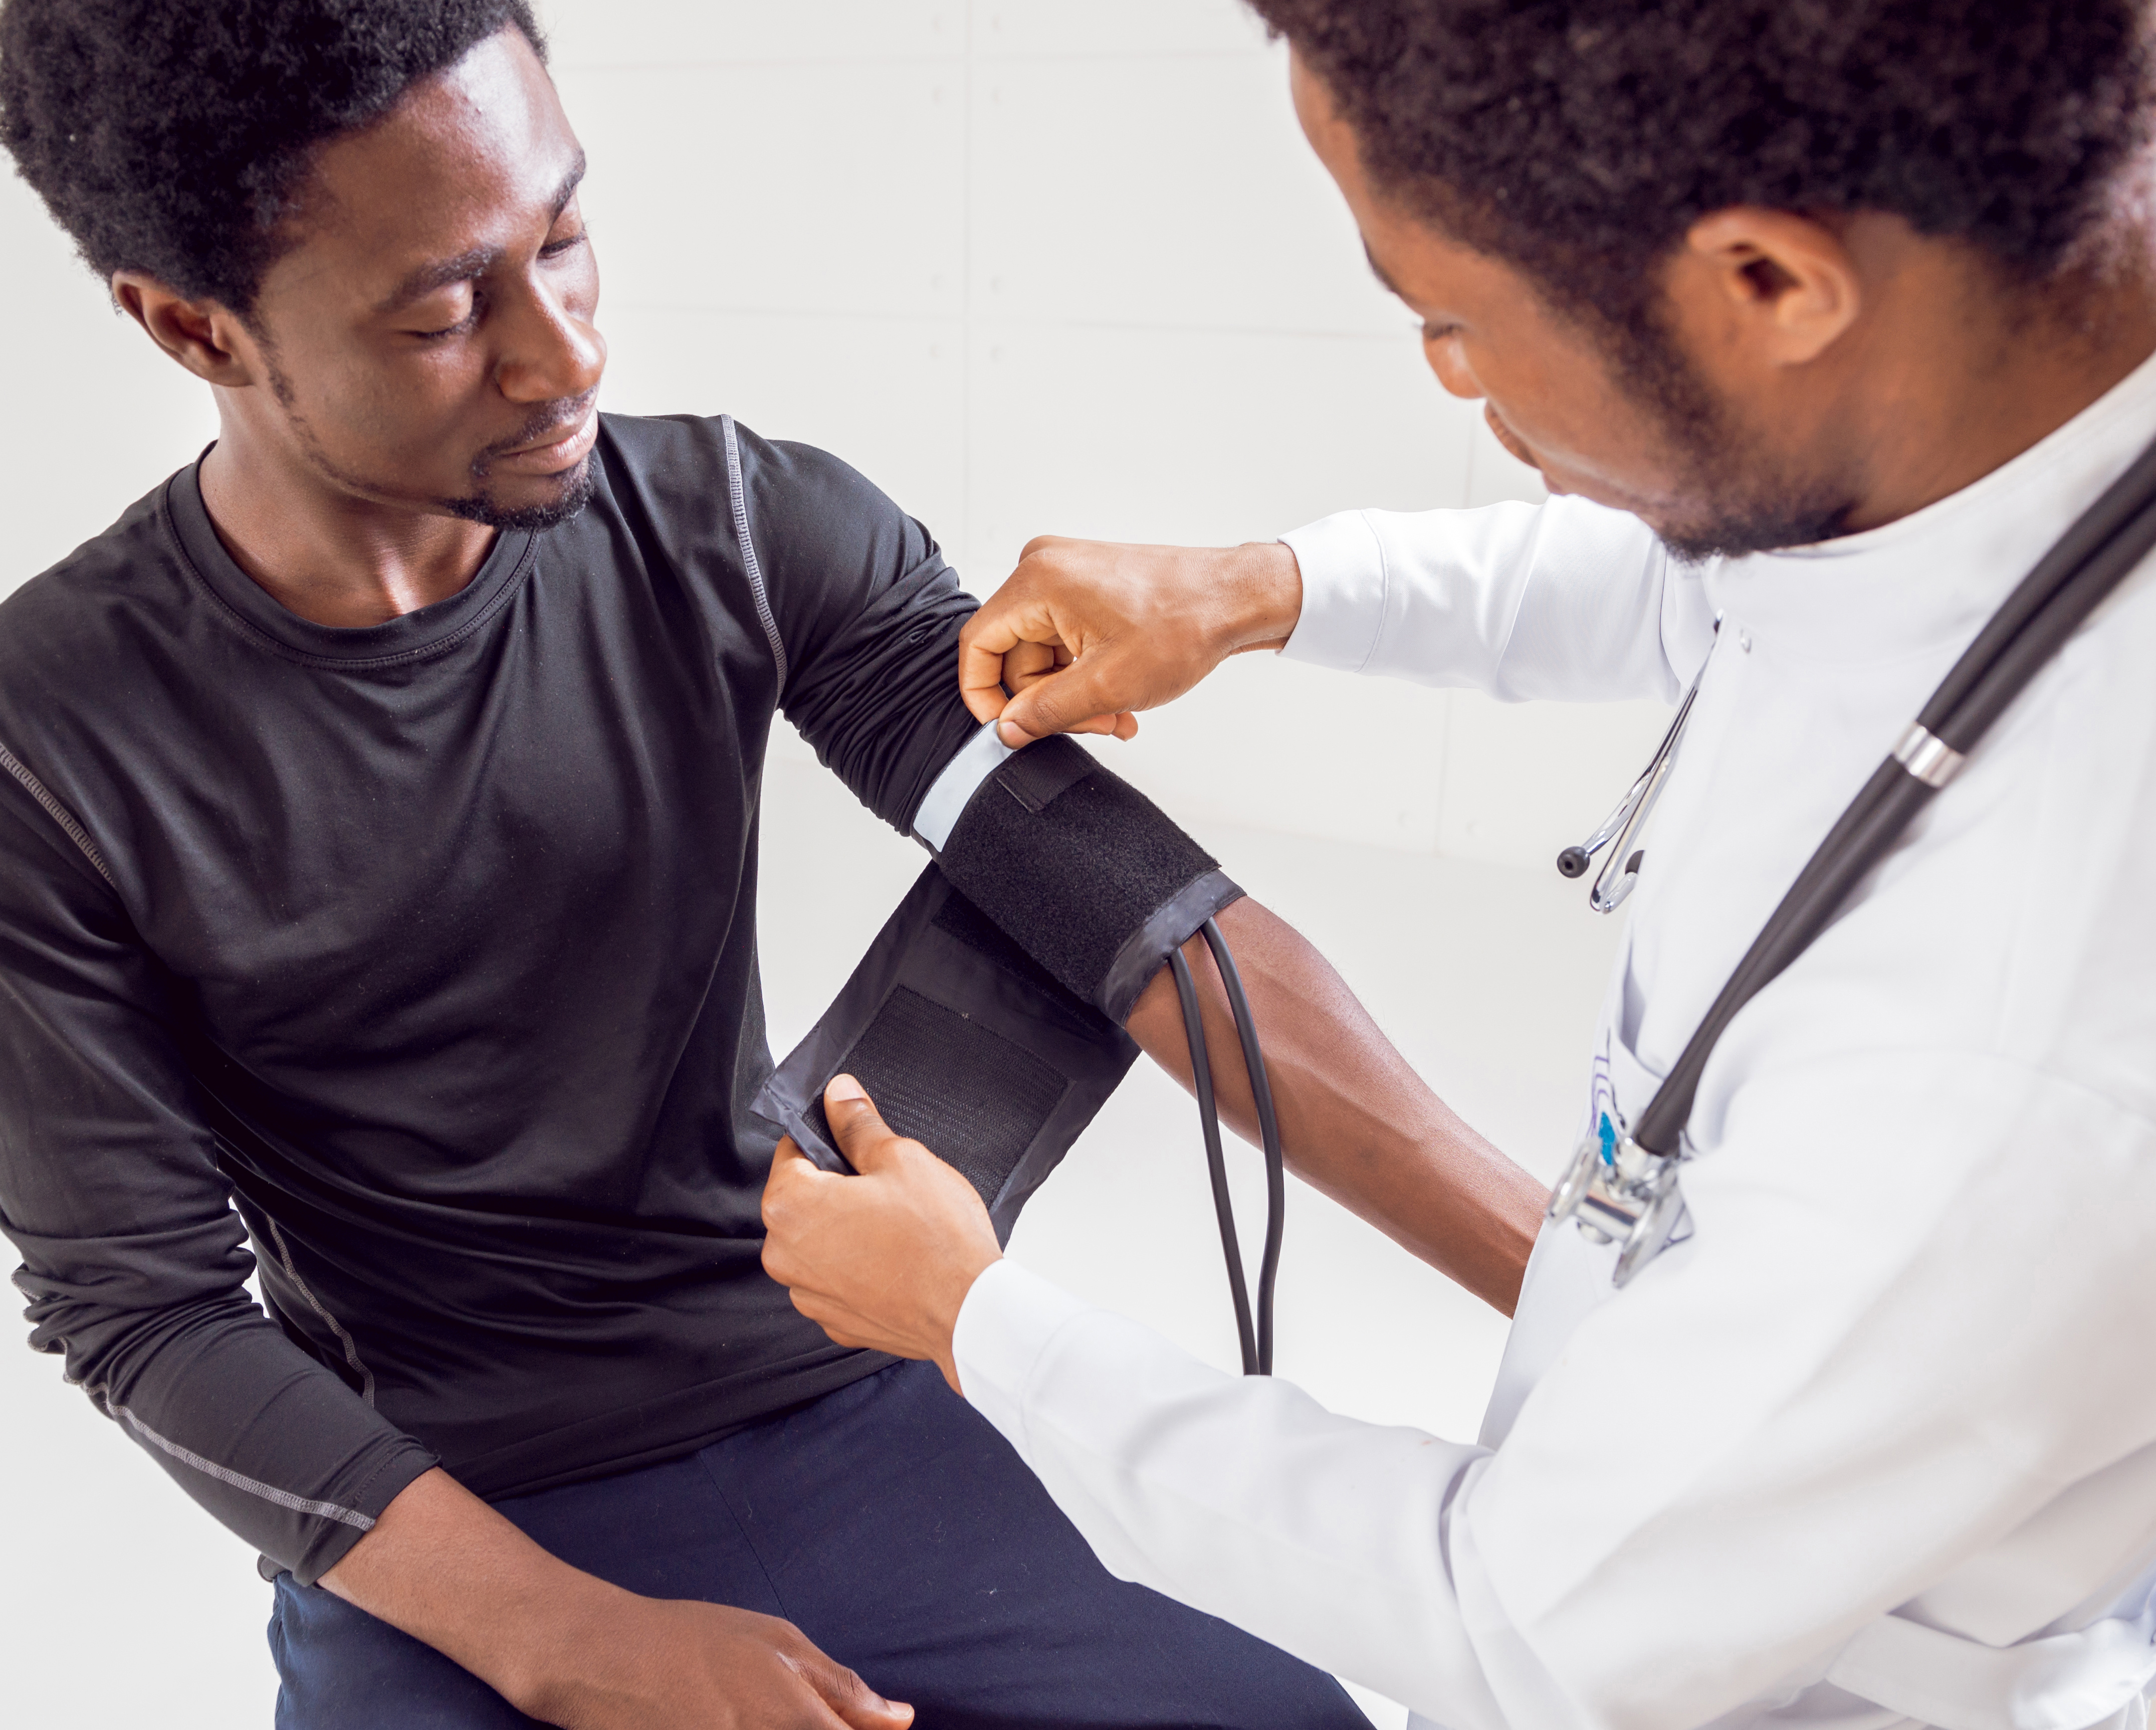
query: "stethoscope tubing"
2101, 549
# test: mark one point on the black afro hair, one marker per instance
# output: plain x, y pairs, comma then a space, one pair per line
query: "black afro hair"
1553, 132
170, 135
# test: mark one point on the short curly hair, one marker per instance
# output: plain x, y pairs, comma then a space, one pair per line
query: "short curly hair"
1548, 132
172, 138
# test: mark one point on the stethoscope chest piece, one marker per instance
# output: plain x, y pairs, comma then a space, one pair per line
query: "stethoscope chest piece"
1620, 1192
1620, 872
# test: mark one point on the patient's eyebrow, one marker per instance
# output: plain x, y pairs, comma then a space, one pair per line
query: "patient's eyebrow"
440, 272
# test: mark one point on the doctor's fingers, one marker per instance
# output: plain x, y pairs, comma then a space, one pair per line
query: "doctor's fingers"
1012, 639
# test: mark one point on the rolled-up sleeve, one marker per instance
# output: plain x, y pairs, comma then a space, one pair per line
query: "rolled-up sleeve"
133, 1259
1565, 599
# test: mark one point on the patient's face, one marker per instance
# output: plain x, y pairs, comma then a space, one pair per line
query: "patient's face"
430, 336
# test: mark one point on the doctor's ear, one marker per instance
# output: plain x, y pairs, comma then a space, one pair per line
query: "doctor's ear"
202, 335
1782, 285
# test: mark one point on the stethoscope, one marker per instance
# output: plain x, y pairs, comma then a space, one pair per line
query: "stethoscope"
1622, 1183
1605, 894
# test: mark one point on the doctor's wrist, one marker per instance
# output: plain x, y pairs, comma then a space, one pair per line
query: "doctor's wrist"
1260, 588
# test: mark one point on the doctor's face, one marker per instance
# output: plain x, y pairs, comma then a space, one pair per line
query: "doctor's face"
1626, 422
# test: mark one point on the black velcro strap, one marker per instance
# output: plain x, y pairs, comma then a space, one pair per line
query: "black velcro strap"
1085, 873
964, 1043
941, 1078
1036, 775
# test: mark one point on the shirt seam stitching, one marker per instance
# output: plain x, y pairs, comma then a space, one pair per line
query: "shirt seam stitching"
1520, 601
288, 1499
737, 491
46, 801
345, 1339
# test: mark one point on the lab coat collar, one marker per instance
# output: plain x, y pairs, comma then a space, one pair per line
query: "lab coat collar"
1927, 581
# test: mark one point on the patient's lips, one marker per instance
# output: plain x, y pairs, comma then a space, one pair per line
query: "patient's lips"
564, 451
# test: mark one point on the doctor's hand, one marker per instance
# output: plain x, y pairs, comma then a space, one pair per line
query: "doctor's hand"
1084, 633
885, 1259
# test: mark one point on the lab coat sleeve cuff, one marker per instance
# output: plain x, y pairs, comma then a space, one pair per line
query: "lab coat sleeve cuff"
1005, 1325
1344, 590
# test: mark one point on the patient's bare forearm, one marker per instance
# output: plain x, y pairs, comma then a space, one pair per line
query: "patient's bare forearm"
1356, 1121
568, 1648
444, 1567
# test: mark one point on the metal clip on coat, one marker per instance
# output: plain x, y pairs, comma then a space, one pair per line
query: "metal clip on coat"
1625, 1185
986, 1019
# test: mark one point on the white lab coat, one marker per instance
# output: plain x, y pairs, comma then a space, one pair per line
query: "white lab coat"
1876, 1444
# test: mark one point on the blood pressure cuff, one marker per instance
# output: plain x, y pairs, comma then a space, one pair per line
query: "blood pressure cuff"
986, 1019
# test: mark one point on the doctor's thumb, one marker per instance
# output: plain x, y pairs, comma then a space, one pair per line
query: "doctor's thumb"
862, 1135
1078, 699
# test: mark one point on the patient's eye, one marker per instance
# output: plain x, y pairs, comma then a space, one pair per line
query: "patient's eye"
445, 312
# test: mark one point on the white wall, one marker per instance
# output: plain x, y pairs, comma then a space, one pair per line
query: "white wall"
1044, 267
1034, 266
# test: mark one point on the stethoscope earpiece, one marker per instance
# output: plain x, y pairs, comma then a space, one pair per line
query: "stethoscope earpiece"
1574, 862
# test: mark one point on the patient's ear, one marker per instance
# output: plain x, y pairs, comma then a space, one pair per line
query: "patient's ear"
204, 336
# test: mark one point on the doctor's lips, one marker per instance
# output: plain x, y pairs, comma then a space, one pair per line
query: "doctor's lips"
563, 438
1507, 438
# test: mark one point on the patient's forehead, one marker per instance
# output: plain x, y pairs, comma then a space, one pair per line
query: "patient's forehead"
472, 161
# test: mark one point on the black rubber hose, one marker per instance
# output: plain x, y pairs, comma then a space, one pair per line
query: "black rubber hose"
2068, 584
1863, 836
1209, 1119
2100, 526
1261, 1093
1988, 696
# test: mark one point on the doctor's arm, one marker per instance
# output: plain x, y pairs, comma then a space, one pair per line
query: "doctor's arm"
1821, 1406
1565, 599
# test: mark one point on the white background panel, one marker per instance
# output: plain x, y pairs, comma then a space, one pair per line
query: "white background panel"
98, 415
1074, 218
784, 188
1119, 27
1525, 781
1202, 437
1279, 746
675, 33
887, 395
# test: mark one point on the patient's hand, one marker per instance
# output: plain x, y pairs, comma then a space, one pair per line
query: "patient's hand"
1084, 633
883, 1260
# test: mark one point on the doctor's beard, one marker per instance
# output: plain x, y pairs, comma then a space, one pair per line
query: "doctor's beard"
1749, 499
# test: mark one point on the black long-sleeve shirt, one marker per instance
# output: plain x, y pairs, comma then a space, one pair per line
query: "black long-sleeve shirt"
431, 946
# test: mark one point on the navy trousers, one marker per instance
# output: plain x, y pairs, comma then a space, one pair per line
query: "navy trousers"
898, 1531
